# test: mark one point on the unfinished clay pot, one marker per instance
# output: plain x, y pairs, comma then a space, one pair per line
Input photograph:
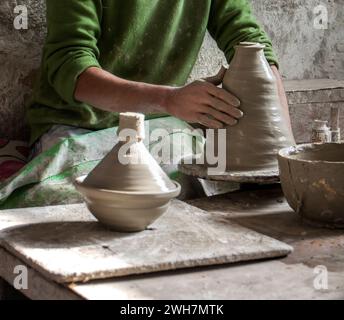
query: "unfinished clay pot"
313, 183
253, 143
128, 190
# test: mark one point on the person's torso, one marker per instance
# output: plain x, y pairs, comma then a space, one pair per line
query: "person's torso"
152, 41
155, 41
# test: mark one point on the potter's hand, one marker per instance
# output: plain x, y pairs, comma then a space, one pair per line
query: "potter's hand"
202, 102
218, 78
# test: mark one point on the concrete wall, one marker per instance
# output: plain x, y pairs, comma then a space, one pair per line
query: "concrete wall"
20, 54
305, 52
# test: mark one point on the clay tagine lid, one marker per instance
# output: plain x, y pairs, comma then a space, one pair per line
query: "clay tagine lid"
129, 167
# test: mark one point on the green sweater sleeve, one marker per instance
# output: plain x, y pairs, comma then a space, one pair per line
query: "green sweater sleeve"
71, 43
231, 22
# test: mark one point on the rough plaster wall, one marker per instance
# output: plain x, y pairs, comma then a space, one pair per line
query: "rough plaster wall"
304, 51
20, 54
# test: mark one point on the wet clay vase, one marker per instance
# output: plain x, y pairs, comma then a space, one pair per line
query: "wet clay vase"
253, 144
312, 177
128, 190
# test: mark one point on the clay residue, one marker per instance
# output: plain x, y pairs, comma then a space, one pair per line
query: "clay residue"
330, 193
312, 181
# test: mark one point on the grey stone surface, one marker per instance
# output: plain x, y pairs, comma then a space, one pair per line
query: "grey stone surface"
82, 250
304, 51
39, 288
265, 211
268, 280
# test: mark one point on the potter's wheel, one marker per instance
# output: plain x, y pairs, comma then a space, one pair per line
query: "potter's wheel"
260, 176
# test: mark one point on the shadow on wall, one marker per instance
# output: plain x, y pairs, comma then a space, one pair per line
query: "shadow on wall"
305, 51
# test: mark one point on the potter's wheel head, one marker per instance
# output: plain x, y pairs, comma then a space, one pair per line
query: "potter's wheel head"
190, 167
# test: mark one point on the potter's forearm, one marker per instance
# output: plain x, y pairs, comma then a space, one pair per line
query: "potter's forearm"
198, 102
110, 93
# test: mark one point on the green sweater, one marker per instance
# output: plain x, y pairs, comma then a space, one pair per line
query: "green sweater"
153, 41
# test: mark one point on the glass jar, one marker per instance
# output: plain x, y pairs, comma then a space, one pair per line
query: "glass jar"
321, 133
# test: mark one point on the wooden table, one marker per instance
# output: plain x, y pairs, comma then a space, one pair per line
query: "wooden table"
263, 210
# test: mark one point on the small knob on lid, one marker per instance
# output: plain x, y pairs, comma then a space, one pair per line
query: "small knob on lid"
131, 125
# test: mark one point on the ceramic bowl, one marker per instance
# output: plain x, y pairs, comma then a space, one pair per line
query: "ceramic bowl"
125, 211
312, 177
